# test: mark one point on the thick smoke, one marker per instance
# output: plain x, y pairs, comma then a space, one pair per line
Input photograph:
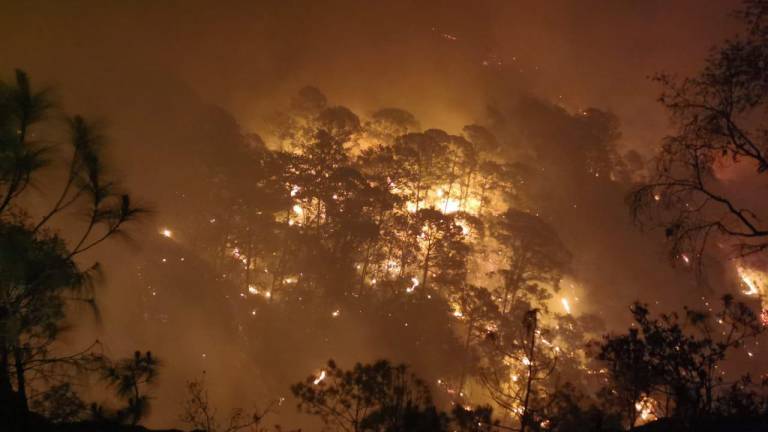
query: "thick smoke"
186, 88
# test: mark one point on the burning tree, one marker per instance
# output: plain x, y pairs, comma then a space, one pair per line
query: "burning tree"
519, 363
431, 239
533, 255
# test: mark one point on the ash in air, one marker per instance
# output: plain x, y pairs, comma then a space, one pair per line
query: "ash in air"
276, 216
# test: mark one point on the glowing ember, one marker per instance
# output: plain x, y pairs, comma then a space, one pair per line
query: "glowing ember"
566, 305
165, 232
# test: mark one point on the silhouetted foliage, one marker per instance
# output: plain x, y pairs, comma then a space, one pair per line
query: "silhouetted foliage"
718, 130
130, 378
382, 397
60, 404
676, 360
199, 413
373, 397
39, 274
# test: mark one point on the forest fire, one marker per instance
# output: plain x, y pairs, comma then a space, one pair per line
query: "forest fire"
451, 235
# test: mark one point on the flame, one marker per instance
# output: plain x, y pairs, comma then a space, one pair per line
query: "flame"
414, 284
465, 229
165, 232
647, 408
754, 280
320, 378
756, 283
442, 200
451, 206
566, 305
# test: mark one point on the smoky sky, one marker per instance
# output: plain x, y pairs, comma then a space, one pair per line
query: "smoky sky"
240, 55
175, 81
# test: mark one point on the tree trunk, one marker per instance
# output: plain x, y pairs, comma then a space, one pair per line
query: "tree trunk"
248, 263
21, 382
465, 192
425, 272
529, 383
364, 270
5, 377
7, 398
463, 377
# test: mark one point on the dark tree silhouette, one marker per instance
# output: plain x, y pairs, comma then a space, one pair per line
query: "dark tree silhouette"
371, 397
60, 404
382, 397
520, 352
719, 128
533, 255
676, 359
39, 273
130, 378
199, 413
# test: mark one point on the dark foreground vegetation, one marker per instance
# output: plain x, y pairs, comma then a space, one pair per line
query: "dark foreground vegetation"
332, 219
